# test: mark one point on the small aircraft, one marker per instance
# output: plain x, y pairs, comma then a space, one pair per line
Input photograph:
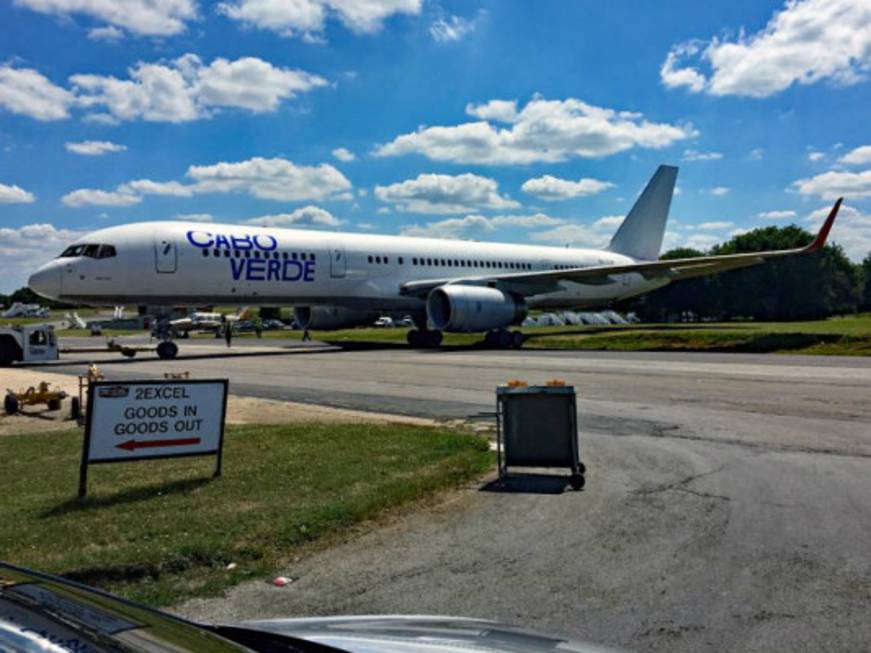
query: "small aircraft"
338, 280
203, 322
25, 310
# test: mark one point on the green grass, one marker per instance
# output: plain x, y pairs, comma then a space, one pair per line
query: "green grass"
163, 531
849, 335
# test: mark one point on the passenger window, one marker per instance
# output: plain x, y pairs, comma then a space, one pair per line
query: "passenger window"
217, 252
302, 256
205, 252
385, 260
237, 253
400, 260
284, 255
378, 259
247, 253
226, 253
293, 256
370, 259
311, 257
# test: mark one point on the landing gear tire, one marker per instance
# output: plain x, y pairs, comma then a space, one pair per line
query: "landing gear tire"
577, 481
517, 339
8, 352
414, 337
503, 339
167, 350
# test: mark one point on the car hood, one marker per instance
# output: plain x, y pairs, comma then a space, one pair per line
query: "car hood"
419, 634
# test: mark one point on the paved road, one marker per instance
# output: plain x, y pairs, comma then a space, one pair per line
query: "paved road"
728, 504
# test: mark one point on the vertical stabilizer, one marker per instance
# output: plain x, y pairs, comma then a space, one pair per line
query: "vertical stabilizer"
640, 235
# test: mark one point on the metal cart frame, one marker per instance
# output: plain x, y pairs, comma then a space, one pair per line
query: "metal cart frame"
554, 443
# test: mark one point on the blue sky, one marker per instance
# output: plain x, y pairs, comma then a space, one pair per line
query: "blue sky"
493, 120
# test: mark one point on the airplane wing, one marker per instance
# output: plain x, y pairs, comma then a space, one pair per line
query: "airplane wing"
674, 269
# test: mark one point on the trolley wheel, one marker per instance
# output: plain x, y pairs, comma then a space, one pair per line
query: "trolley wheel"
53, 404
167, 350
577, 481
128, 353
10, 404
75, 408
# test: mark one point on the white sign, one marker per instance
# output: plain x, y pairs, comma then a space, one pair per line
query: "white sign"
159, 419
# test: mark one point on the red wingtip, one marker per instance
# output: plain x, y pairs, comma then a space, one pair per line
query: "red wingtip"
823, 234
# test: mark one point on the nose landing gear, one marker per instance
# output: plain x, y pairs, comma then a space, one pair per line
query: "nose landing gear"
167, 350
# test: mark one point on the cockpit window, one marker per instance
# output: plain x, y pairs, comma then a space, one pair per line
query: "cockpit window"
72, 250
92, 251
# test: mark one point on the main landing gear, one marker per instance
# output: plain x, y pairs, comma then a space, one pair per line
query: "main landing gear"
503, 339
166, 348
425, 338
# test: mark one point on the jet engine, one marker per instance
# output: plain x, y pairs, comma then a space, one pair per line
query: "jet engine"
473, 308
328, 318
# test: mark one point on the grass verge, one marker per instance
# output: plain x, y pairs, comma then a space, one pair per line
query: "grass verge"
846, 336
163, 531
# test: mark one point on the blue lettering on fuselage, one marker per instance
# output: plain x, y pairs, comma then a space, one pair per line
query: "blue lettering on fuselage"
248, 269
206, 239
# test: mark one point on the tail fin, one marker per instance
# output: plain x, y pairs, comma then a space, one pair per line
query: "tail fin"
640, 235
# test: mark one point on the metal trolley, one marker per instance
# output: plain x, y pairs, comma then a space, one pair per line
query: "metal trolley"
537, 426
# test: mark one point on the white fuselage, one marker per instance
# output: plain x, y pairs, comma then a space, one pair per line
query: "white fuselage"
196, 264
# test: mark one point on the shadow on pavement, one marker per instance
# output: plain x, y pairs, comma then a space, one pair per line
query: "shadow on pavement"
528, 484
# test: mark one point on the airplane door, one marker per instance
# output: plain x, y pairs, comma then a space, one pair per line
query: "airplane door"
338, 265
165, 255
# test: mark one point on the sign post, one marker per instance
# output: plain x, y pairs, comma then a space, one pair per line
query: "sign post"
146, 420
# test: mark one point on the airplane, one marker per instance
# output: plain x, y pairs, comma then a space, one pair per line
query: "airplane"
25, 310
338, 280
204, 322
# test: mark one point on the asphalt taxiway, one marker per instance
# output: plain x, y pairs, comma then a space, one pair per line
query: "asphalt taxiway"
727, 504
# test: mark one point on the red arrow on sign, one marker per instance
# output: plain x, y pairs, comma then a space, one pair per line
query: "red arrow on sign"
132, 445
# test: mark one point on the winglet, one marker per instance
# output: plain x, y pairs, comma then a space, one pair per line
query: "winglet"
820, 240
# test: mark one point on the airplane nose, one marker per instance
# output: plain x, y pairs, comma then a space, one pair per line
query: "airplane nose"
46, 281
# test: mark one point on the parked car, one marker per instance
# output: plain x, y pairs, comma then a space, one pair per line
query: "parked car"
383, 322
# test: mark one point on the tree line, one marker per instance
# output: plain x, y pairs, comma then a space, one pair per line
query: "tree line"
806, 287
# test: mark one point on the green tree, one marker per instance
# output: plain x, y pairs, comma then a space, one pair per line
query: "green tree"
865, 302
790, 288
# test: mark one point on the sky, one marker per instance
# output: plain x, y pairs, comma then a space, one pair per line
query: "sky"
501, 120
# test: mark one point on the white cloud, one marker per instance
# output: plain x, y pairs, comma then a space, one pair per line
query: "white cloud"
815, 156
775, 215
15, 195
756, 154
94, 148
108, 33
695, 155
852, 229
94, 197
149, 187
719, 191
805, 42
24, 249
185, 89
858, 156
715, 225
702, 241
307, 216
141, 17
343, 154
544, 130
274, 179
383, 210
610, 221
452, 28
833, 184
471, 225
27, 92
431, 193
307, 18
577, 235
195, 217
553, 188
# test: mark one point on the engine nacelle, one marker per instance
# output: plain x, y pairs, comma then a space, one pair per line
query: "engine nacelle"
328, 318
473, 308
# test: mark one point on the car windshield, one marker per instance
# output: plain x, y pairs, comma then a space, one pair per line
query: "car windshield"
42, 613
